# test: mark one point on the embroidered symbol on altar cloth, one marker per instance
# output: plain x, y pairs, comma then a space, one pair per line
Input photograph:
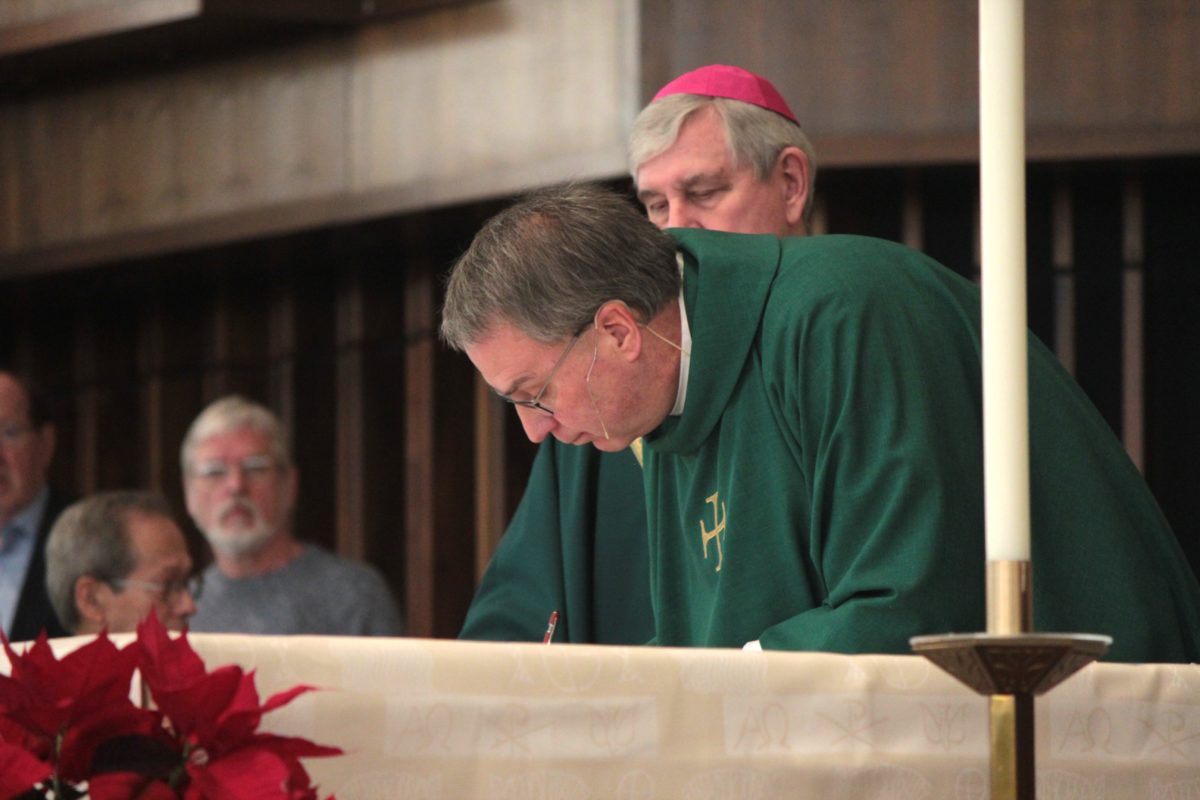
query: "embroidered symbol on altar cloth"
718, 528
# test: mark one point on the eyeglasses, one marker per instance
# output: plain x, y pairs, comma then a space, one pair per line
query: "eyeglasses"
170, 591
253, 468
12, 433
536, 402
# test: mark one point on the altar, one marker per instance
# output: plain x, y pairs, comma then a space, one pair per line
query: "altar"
446, 719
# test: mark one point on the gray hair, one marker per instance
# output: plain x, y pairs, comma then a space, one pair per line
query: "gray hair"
754, 135
548, 262
232, 413
91, 538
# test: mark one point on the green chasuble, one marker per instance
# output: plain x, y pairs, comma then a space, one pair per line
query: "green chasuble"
576, 545
823, 488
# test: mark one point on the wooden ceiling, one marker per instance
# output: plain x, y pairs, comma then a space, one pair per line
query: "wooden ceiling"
82, 41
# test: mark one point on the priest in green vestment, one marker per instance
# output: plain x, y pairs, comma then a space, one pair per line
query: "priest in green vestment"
810, 416
717, 148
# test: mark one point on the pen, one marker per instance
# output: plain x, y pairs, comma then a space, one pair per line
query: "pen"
550, 627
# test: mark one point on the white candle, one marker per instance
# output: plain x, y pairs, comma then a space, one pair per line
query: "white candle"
1002, 234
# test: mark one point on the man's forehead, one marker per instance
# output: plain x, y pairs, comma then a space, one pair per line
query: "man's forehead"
506, 357
700, 151
241, 435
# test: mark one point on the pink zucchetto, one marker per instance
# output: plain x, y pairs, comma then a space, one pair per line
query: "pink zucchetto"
734, 83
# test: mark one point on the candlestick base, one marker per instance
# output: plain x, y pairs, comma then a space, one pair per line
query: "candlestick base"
1027, 663
1012, 670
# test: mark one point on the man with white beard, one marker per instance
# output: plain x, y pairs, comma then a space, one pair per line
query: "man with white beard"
241, 486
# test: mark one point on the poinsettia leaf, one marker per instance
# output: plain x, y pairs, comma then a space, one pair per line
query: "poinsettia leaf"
167, 664
248, 774
129, 786
20, 771
20, 736
291, 748
44, 695
285, 697
98, 672
194, 709
241, 717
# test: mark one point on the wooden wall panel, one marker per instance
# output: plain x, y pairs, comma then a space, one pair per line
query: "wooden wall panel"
887, 83
13, 12
464, 103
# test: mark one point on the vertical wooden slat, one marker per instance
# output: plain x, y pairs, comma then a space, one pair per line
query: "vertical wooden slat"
150, 370
281, 352
419, 408
1063, 260
216, 371
87, 404
350, 409
491, 474
1132, 322
912, 212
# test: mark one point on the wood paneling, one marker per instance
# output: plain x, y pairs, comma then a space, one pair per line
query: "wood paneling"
424, 111
888, 83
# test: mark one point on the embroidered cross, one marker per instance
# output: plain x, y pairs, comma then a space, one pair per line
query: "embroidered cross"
718, 528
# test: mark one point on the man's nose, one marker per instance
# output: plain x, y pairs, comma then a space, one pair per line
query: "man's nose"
537, 424
235, 479
185, 604
680, 215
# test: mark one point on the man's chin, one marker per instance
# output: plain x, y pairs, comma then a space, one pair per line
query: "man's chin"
610, 445
237, 543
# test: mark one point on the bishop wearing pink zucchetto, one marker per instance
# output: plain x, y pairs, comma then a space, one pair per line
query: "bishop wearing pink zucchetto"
719, 148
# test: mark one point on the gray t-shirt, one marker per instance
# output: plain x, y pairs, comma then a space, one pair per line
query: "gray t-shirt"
315, 593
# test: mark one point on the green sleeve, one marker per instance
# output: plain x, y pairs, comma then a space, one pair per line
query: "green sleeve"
881, 393
576, 545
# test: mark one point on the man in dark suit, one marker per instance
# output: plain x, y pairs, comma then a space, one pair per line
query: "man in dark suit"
28, 509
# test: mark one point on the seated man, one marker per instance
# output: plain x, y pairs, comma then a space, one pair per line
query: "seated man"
241, 490
811, 415
113, 558
28, 507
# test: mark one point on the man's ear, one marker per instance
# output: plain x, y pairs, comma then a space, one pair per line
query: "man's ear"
87, 601
794, 168
616, 324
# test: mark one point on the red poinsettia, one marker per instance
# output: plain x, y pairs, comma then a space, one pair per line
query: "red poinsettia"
70, 721
214, 716
59, 712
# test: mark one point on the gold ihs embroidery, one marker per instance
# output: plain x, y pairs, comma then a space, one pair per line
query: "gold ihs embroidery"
718, 528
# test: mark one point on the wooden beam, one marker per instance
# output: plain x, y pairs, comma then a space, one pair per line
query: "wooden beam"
341, 12
93, 23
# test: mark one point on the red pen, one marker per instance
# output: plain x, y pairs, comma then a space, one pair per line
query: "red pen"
550, 627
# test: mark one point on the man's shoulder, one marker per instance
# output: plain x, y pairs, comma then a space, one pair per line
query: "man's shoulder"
315, 559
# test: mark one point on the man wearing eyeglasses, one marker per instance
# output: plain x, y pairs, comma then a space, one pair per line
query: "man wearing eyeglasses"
115, 558
808, 410
241, 490
28, 507
717, 148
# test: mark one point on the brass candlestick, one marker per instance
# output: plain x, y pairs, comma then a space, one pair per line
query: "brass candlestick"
1011, 665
